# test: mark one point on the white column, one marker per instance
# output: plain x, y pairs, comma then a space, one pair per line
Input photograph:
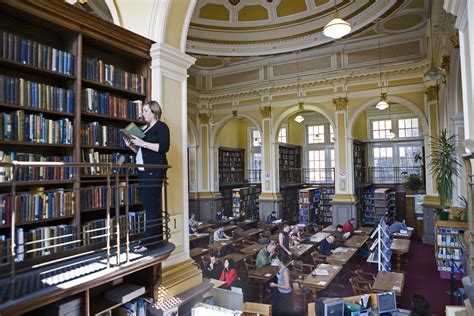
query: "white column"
169, 68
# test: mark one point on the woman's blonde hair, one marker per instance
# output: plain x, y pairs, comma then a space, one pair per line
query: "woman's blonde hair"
155, 108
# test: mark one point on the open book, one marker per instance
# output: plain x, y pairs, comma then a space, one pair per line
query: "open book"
133, 130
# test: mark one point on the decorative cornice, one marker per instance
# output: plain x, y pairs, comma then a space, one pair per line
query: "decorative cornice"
432, 93
266, 111
340, 104
204, 118
454, 40
445, 60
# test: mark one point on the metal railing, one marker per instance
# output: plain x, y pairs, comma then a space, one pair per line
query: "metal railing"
319, 175
111, 238
290, 176
253, 176
395, 175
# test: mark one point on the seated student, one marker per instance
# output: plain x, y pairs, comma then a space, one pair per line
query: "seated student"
338, 234
242, 216
396, 226
193, 222
327, 246
214, 268
192, 230
220, 215
295, 235
219, 235
348, 227
265, 255
272, 217
229, 273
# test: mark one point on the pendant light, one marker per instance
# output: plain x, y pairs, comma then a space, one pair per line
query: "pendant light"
337, 27
299, 118
382, 104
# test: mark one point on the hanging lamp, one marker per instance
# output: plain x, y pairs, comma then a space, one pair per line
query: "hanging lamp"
382, 104
337, 27
299, 118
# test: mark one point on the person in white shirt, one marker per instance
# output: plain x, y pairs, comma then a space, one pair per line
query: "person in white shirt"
219, 235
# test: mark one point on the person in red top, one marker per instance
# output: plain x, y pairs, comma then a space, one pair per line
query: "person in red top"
348, 227
229, 273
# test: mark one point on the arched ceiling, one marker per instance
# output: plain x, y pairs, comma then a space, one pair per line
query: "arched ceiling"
260, 27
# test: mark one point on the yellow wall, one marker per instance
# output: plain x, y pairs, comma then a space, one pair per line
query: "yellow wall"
360, 127
295, 132
233, 134
175, 25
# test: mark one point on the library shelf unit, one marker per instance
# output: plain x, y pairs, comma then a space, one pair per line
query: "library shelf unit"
309, 200
52, 55
325, 206
246, 199
290, 203
377, 202
380, 249
450, 247
231, 174
359, 163
290, 180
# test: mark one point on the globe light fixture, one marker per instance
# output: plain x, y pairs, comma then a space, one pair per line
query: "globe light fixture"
337, 27
382, 104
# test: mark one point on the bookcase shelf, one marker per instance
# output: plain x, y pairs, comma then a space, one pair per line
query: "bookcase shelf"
246, 199
105, 148
35, 70
450, 246
106, 118
40, 221
37, 183
376, 203
86, 210
8, 106
309, 200
15, 143
106, 87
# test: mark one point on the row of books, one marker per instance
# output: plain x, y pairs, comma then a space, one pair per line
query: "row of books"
43, 241
447, 265
29, 52
96, 196
35, 95
93, 156
95, 134
104, 103
95, 231
450, 253
30, 173
97, 70
18, 126
449, 240
36, 206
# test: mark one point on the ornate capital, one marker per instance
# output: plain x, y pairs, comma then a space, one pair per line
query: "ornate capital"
454, 40
432, 93
445, 63
234, 2
204, 118
266, 111
340, 103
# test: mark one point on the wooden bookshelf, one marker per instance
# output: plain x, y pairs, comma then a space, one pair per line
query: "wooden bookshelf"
55, 27
359, 163
231, 166
290, 164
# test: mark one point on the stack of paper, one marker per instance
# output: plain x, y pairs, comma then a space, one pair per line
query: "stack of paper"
341, 249
320, 272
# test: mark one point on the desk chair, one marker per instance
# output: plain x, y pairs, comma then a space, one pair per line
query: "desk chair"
360, 286
365, 275
318, 258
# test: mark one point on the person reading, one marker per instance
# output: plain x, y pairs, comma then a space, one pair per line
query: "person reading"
348, 227
327, 246
265, 255
214, 268
219, 235
229, 273
272, 217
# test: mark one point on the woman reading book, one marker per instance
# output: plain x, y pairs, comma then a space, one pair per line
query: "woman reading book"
151, 149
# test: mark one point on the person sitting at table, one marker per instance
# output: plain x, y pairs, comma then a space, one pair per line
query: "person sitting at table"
272, 217
349, 226
193, 222
219, 235
284, 239
214, 268
396, 226
281, 300
338, 234
327, 246
265, 255
192, 230
229, 273
295, 235
220, 215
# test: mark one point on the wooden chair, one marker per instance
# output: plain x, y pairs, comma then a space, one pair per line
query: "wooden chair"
249, 267
302, 268
360, 286
251, 308
365, 275
318, 258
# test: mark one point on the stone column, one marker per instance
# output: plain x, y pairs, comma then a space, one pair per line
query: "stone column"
270, 199
431, 201
344, 201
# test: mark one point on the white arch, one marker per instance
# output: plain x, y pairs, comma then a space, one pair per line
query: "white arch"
292, 110
192, 131
216, 131
187, 22
114, 12
159, 20
409, 104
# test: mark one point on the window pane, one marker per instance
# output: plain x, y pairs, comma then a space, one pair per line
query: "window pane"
401, 123
376, 125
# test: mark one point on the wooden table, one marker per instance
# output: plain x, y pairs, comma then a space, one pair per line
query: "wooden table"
274, 237
400, 247
403, 236
320, 282
226, 229
252, 250
204, 227
217, 246
316, 238
199, 237
364, 231
249, 223
300, 250
329, 229
389, 282
341, 258
237, 257
251, 233
356, 241
262, 275
198, 252
223, 222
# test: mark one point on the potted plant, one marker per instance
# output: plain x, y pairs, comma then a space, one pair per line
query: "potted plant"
414, 183
444, 165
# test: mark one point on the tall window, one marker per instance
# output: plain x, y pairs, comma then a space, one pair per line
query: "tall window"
381, 128
408, 127
255, 164
315, 134
331, 134
282, 135
256, 138
317, 165
383, 162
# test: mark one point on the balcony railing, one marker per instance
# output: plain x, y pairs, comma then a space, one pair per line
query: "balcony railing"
253, 176
319, 175
45, 247
392, 175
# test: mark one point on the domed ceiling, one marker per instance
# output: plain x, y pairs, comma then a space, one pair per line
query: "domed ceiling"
260, 27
